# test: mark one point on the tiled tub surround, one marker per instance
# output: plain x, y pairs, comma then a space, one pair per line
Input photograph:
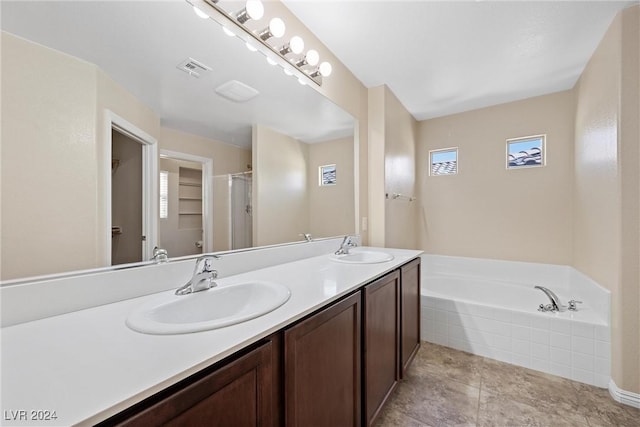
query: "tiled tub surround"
83, 361
489, 308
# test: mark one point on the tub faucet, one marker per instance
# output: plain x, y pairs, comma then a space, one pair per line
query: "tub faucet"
347, 243
202, 279
555, 305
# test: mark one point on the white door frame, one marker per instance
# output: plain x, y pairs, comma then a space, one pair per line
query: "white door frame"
207, 193
149, 182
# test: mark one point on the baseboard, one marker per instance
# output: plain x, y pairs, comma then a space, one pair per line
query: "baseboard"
623, 396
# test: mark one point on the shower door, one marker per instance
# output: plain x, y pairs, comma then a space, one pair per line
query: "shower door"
241, 215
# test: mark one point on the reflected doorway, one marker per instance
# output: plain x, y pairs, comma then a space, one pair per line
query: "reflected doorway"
185, 198
241, 210
126, 199
130, 176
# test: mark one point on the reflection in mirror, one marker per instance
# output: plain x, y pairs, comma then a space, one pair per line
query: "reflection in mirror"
69, 67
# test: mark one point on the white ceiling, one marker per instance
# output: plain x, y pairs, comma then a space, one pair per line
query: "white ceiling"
140, 43
445, 57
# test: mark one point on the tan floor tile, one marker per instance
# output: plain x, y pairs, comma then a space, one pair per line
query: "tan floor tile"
435, 401
501, 411
602, 411
447, 362
530, 387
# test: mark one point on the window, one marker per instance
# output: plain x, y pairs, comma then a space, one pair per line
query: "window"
327, 175
443, 162
526, 152
164, 194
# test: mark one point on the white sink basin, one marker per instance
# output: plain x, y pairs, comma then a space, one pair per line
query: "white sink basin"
211, 309
356, 256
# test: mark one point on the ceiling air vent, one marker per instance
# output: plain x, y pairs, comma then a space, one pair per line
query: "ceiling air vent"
193, 67
236, 91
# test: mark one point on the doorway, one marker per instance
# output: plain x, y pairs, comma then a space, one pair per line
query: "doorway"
126, 199
186, 222
130, 191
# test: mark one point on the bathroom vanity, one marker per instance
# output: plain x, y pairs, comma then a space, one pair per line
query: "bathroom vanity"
331, 355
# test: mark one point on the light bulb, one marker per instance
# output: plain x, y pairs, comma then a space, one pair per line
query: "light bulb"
296, 45
271, 61
326, 69
251, 47
200, 13
288, 72
312, 57
277, 27
254, 9
301, 81
228, 32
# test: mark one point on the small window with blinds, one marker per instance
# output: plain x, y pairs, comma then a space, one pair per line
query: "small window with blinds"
164, 194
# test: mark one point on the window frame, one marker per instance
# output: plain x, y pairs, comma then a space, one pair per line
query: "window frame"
543, 151
440, 150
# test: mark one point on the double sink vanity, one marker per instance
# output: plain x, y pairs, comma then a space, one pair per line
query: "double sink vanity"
293, 335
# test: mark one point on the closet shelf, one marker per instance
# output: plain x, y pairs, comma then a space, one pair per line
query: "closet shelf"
190, 184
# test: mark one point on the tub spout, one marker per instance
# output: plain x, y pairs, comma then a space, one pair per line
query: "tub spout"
555, 305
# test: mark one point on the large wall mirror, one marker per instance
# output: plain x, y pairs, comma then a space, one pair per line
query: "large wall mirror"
118, 135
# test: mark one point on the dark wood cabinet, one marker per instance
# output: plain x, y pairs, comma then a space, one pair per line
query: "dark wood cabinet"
322, 367
409, 313
381, 342
240, 393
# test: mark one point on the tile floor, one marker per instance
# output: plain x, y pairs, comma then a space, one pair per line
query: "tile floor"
447, 387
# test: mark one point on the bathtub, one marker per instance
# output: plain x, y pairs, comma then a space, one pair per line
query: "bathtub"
489, 308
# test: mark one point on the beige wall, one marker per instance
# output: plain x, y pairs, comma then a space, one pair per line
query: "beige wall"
606, 236
375, 166
227, 158
344, 89
391, 170
400, 174
280, 196
49, 161
331, 208
487, 211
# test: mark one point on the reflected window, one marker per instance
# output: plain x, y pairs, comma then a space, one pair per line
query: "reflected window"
443, 162
164, 194
526, 152
327, 175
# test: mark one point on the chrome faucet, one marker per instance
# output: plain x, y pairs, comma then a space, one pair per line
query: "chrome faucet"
202, 278
160, 255
555, 305
346, 245
307, 237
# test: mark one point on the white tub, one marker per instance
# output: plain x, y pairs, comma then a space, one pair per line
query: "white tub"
489, 308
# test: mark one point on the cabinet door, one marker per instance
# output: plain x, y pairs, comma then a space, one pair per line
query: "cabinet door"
381, 341
410, 309
238, 394
322, 367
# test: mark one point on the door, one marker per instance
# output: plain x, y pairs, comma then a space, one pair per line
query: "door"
239, 394
410, 325
126, 199
381, 342
322, 367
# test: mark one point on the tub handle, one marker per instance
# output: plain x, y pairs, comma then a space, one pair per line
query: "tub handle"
573, 306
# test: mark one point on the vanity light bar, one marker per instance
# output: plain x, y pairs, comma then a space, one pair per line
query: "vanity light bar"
232, 23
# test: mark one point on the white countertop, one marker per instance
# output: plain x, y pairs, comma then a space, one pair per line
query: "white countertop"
88, 365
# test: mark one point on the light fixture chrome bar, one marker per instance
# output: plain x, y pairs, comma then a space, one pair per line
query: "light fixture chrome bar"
218, 14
